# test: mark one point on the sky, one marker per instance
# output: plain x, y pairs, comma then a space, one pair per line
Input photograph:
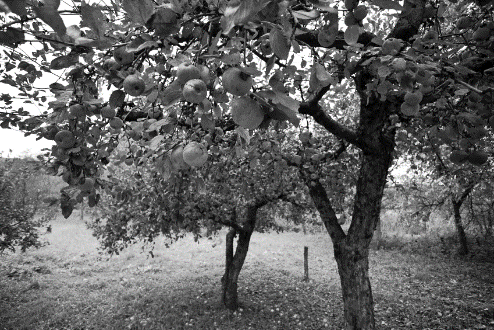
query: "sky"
14, 143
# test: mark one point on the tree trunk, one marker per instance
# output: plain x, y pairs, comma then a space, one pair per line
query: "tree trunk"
378, 235
234, 262
353, 268
352, 250
460, 230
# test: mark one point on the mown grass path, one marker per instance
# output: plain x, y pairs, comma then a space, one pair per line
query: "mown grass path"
69, 285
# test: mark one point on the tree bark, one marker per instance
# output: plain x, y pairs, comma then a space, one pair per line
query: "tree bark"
353, 268
351, 250
460, 229
234, 262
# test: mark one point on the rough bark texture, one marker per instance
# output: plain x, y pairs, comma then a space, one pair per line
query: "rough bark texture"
352, 254
234, 262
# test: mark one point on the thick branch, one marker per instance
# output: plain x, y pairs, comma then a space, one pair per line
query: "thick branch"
410, 20
310, 39
332, 126
325, 209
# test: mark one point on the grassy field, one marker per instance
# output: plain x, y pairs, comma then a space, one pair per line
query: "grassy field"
69, 285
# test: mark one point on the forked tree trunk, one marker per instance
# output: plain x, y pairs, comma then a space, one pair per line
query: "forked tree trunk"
351, 250
235, 261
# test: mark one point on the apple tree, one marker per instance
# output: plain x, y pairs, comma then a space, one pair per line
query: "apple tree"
178, 194
156, 70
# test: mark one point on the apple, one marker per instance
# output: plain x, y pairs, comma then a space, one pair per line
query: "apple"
391, 46
351, 4
195, 154
246, 112
409, 110
110, 64
413, 98
236, 82
177, 158
65, 139
481, 34
133, 85
49, 132
116, 123
187, 71
360, 13
123, 56
399, 64
164, 21
350, 19
478, 157
77, 111
458, 156
195, 91
464, 22
108, 112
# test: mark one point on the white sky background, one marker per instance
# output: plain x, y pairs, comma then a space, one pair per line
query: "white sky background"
14, 143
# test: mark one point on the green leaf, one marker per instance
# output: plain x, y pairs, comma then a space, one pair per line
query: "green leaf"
155, 142
322, 75
140, 11
351, 34
240, 13
243, 133
171, 94
93, 18
47, 11
11, 36
63, 62
207, 123
16, 6
279, 43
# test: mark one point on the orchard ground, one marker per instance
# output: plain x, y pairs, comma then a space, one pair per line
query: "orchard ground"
69, 285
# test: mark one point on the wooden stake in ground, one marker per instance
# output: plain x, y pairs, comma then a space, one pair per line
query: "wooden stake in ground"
306, 264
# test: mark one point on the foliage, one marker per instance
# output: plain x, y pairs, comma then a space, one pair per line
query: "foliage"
22, 212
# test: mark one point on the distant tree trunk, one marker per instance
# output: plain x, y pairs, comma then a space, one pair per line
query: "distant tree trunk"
234, 262
460, 229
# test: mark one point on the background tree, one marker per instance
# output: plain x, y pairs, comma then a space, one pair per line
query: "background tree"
23, 214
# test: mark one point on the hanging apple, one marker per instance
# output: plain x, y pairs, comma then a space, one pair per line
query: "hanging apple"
195, 154
246, 112
133, 85
236, 82
195, 91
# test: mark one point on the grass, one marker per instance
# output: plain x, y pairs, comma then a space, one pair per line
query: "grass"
69, 285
